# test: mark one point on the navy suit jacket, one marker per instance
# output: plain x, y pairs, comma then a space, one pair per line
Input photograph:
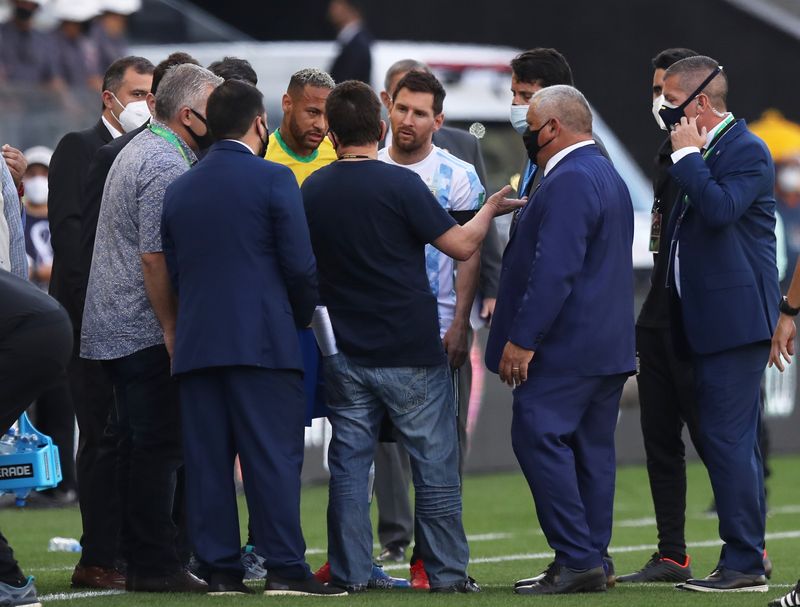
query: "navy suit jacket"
237, 246
729, 279
566, 287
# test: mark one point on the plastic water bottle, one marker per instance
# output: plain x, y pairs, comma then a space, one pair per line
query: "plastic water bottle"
64, 544
8, 442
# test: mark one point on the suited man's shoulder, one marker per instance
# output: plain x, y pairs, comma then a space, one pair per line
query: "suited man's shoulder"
754, 143
86, 141
456, 140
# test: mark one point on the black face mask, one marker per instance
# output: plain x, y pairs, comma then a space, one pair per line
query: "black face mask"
264, 143
203, 141
531, 140
23, 14
672, 115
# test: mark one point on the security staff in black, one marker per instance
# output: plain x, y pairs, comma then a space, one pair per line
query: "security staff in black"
666, 390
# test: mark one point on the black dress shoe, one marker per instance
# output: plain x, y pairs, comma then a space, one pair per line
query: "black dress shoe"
309, 587
563, 580
180, 581
530, 581
727, 580
464, 586
220, 584
608, 566
392, 554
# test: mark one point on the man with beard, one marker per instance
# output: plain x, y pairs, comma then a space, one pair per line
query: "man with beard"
302, 145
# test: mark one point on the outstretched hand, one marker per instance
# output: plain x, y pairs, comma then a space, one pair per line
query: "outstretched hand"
502, 204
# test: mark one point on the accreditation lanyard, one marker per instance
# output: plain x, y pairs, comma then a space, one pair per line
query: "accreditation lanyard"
171, 138
725, 126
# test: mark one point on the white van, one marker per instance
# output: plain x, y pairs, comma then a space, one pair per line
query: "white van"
477, 79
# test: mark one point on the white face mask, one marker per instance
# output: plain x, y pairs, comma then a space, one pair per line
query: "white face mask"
518, 116
658, 103
36, 190
789, 179
133, 115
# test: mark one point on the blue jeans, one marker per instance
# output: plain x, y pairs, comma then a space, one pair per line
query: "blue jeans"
420, 402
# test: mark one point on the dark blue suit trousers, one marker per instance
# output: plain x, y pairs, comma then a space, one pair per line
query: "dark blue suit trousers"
563, 436
727, 385
254, 413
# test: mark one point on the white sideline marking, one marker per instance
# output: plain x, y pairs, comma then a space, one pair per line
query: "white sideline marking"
781, 535
478, 537
532, 556
68, 596
636, 522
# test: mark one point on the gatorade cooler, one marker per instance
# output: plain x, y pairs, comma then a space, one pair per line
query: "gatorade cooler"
29, 461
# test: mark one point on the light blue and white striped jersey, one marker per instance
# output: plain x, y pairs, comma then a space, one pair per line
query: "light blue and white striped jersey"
455, 185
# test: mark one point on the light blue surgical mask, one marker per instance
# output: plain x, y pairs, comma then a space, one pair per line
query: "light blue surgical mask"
518, 116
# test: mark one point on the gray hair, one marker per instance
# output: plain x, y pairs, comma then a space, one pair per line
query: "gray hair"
691, 72
401, 67
565, 103
310, 76
184, 85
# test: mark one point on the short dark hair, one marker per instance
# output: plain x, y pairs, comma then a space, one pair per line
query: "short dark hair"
671, 55
115, 73
692, 71
354, 113
542, 66
171, 61
233, 67
423, 82
232, 107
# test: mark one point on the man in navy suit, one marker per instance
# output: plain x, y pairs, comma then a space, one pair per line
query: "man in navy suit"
563, 337
725, 296
239, 255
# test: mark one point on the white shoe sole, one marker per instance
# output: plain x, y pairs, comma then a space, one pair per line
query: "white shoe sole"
693, 588
228, 593
299, 593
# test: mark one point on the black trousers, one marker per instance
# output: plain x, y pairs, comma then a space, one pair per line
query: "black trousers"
98, 463
667, 401
35, 344
54, 416
148, 414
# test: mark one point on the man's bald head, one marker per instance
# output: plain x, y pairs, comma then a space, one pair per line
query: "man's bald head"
565, 103
689, 73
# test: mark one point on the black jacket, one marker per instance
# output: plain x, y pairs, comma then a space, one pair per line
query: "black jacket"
67, 179
354, 61
96, 176
655, 313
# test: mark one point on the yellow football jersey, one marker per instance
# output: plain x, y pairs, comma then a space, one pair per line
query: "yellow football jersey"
301, 166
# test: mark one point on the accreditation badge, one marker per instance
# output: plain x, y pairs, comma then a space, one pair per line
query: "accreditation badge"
655, 230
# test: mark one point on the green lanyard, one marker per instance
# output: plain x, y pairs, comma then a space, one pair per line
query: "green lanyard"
723, 128
170, 137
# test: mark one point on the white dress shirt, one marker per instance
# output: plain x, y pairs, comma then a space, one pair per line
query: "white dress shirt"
114, 132
551, 164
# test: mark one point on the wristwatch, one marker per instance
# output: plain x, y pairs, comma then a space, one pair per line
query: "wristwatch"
785, 308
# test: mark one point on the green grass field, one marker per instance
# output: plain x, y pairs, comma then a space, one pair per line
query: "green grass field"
505, 542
